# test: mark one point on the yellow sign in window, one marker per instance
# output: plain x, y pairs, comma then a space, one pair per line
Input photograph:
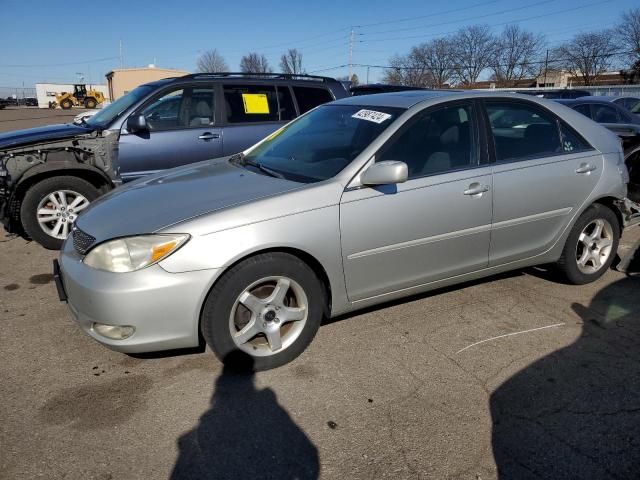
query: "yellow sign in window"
255, 103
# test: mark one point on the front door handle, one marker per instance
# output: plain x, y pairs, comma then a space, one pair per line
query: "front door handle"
209, 136
585, 168
476, 189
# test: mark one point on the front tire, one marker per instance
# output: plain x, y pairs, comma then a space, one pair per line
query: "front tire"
90, 103
50, 207
591, 245
66, 104
267, 309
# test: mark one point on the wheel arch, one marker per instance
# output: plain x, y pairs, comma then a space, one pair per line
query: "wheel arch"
612, 204
31, 177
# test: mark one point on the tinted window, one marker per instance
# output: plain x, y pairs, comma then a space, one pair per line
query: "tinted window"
522, 131
309, 97
434, 142
180, 108
318, 146
287, 110
571, 141
251, 103
583, 109
605, 114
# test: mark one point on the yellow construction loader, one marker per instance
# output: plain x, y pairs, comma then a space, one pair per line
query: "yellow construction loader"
80, 97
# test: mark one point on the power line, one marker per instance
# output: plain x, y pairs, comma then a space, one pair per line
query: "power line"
445, 12
460, 20
492, 25
95, 60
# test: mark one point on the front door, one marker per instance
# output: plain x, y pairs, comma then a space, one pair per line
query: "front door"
434, 226
182, 129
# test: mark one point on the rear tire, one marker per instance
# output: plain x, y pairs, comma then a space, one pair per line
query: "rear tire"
591, 245
294, 317
90, 103
37, 201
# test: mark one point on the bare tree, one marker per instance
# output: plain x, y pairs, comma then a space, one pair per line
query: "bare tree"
473, 50
587, 55
438, 56
628, 33
291, 62
410, 70
211, 61
517, 55
255, 63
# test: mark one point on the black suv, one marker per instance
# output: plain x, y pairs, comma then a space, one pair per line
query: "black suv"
49, 174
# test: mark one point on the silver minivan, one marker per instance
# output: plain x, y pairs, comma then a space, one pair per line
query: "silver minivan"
358, 202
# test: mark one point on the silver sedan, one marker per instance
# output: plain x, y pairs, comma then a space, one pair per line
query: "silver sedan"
358, 202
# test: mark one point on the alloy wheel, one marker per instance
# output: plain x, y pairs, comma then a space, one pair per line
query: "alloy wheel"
58, 210
594, 246
268, 316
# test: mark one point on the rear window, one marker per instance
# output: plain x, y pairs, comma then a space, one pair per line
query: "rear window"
251, 103
310, 97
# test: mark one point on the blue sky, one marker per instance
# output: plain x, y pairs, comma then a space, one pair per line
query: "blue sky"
55, 40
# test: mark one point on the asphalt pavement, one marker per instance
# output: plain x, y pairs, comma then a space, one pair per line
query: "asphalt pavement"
514, 377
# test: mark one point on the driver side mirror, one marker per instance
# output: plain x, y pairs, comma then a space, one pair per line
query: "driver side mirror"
137, 123
387, 172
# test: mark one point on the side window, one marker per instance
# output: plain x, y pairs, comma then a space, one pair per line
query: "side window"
583, 109
201, 107
287, 110
181, 108
163, 112
571, 141
605, 114
522, 131
311, 97
251, 103
434, 142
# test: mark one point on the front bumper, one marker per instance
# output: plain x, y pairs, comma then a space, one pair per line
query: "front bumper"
164, 308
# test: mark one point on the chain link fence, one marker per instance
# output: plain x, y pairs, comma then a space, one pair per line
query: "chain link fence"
17, 95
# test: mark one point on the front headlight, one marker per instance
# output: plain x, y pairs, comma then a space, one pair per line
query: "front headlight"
133, 253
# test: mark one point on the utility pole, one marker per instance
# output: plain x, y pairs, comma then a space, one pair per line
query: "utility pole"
546, 65
121, 58
367, 75
350, 53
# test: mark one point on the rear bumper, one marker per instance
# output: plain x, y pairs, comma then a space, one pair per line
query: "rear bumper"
164, 308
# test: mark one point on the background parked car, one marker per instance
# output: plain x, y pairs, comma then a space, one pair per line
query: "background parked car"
372, 88
565, 93
56, 171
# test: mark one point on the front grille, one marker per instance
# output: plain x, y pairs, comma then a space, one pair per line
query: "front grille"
82, 241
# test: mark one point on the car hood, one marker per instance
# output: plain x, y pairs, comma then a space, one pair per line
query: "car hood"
156, 202
18, 138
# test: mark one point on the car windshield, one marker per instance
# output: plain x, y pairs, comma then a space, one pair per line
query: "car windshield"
108, 114
317, 146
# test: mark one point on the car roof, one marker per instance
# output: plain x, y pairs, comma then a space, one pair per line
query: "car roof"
408, 99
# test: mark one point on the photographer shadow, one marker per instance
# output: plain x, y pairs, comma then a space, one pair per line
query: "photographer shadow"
575, 414
245, 434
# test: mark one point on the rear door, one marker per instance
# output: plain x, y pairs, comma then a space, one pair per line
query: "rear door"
543, 172
252, 111
182, 129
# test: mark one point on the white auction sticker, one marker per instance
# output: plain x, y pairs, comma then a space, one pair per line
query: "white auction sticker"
371, 116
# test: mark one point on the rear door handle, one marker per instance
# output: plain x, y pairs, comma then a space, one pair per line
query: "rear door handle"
476, 189
209, 136
585, 168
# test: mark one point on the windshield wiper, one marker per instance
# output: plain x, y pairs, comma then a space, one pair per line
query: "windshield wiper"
240, 159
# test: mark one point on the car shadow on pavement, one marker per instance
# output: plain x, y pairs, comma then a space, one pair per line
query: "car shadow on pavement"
245, 434
576, 412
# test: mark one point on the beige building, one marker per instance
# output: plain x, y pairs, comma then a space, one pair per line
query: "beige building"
123, 80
